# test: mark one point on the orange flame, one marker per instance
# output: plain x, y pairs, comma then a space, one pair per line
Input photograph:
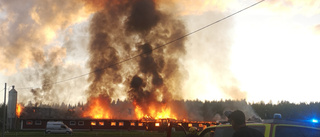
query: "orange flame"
19, 109
96, 110
165, 112
139, 112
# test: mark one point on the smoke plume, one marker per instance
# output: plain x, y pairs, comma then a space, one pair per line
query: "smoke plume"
42, 39
128, 28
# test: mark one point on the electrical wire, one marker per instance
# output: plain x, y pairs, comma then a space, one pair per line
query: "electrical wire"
182, 37
25, 88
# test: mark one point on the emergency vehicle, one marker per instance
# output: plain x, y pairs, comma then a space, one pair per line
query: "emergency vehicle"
270, 128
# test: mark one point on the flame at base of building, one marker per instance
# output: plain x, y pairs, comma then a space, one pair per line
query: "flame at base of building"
97, 109
154, 112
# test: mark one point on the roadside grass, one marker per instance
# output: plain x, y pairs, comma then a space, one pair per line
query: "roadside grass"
94, 134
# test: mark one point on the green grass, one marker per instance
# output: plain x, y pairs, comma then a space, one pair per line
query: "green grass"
93, 134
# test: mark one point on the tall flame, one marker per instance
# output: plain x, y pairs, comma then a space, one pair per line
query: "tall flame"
139, 112
19, 109
97, 110
154, 112
165, 113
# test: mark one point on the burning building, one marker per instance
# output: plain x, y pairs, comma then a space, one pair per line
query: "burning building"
128, 58
151, 78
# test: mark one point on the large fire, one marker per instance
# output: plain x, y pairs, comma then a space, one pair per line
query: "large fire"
164, 113
97, 110
152, 77
19, 109
156, 113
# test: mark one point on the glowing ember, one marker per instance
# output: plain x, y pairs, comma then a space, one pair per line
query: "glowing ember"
19, 110
96, 110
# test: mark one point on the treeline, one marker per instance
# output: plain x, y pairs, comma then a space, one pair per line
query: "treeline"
213, 110
301, 111
191, 109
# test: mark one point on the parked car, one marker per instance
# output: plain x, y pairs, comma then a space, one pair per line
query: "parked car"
57, 127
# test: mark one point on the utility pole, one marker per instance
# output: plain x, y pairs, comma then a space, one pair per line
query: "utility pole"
4, 110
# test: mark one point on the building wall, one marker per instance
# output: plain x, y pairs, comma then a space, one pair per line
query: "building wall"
108, 124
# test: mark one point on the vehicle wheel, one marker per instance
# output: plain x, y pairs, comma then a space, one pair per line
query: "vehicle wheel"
48, 132
68, 132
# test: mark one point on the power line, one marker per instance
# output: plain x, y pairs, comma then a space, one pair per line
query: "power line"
25, 88
182, 37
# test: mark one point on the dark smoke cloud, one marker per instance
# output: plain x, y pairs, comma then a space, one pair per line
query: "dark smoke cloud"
148, 65
135, 27
143, 16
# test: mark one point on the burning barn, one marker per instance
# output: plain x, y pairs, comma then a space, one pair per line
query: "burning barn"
112, 124
80, 118
134, 27
151, 80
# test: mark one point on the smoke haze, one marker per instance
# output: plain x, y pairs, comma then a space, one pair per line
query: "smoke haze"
51, 41
30, 45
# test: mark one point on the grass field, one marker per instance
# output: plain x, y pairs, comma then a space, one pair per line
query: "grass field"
93, 134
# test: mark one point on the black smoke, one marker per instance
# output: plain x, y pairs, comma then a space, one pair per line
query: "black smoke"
127, 28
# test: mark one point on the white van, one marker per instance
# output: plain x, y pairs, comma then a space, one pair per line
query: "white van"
57, 127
